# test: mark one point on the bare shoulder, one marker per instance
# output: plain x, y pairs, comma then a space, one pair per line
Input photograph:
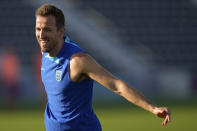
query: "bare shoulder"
79, 58
83, 63
78, 66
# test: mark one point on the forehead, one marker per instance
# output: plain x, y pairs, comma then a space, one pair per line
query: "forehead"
45, 20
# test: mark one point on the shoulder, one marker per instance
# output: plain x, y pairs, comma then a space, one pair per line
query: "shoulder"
78, 66
82, 62
73, 46
71, 49
79, 58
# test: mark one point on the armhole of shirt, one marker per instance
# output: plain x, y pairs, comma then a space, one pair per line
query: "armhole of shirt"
68, 69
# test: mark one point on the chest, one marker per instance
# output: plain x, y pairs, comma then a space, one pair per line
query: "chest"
55, 76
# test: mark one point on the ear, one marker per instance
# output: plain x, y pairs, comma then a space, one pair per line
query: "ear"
62, 31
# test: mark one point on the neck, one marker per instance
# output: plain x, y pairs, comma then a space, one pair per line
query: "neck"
56, 49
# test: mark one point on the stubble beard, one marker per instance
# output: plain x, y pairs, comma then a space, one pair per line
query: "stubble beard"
52, 45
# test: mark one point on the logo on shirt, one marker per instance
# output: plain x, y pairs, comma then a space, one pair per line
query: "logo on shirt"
58, 75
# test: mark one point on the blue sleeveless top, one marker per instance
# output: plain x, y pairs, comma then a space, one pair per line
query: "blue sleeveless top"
69, 106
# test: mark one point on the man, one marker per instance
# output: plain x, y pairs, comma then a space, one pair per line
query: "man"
68, 74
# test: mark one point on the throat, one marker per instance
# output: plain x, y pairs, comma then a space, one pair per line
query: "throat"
56, 49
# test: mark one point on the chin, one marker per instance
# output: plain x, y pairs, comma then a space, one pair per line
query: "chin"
45, 50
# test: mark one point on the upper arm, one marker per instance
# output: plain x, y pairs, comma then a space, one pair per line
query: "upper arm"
83, 64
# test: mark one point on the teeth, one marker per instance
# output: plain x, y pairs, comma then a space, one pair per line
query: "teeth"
43, 40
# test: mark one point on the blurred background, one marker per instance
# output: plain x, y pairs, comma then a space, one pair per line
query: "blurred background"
150, 44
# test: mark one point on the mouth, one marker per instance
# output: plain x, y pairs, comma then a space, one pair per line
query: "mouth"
44, 43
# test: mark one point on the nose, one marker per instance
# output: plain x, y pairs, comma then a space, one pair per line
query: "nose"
42, 34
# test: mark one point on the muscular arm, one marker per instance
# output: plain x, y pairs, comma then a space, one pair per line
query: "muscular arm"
82, 65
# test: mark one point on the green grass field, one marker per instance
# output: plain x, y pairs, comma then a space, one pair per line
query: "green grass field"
112, 119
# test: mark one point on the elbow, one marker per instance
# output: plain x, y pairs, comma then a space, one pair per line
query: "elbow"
118, 92
119, 87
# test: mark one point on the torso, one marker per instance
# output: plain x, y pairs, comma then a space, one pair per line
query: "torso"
69, 94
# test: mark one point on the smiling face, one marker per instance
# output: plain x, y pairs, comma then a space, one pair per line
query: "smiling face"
49, 37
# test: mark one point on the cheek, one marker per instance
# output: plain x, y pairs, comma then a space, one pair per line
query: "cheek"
37, 35
53, 36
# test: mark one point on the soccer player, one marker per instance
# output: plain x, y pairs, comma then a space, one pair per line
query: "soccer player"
68, 74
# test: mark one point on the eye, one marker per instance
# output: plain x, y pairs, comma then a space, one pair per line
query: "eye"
47, 29
38, 29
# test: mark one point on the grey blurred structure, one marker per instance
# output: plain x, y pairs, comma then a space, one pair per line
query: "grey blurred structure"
150, 44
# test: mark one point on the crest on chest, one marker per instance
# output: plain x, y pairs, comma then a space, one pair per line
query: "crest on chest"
58, 75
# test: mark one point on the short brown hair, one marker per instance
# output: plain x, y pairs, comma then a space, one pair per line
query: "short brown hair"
49, 9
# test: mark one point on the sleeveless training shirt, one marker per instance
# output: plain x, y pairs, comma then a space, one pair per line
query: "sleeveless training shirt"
69, 106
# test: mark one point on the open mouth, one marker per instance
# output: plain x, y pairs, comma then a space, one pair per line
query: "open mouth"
44, 43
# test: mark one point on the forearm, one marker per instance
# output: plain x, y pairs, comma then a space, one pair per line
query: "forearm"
134, 96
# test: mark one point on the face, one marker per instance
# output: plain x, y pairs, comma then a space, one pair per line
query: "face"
47, 34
